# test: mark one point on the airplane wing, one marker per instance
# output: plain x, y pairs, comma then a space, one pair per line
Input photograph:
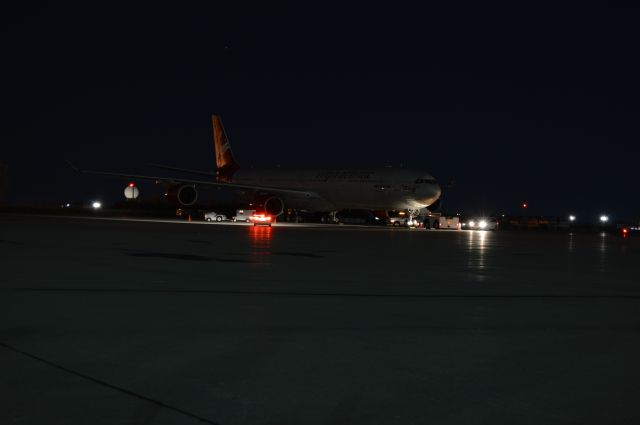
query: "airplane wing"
177, 180
184, 170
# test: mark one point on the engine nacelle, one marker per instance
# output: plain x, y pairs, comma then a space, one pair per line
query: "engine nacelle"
269, 204
185, 194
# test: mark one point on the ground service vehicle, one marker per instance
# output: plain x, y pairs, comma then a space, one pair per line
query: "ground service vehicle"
489, 223
261, 219
449, 223
213, 216
627, 231
243, 215
398, 221
403, 221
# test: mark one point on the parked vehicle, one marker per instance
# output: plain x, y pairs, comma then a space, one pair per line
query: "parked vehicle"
480, 223
627, 231
261, 219
449, 223
398, 221
404, 221
430, 221
243, 215
214, 216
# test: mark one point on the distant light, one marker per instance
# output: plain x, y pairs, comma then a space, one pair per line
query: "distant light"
572, 218
525, 205
472, 223
625, 230
604, 218
482, 224
67, 205
131, 191
96, 205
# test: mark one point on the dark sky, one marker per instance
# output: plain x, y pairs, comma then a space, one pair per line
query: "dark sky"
530, 104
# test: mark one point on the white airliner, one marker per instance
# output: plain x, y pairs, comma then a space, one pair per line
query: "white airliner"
321, 190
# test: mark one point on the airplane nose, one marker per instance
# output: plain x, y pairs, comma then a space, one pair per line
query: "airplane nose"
430, 193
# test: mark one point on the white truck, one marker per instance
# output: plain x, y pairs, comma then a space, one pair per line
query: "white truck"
214, 216
449, 223
243, 215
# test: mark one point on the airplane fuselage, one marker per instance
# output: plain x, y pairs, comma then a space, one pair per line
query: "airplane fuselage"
362, 188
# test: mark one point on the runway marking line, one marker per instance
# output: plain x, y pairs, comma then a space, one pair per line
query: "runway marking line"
105, 384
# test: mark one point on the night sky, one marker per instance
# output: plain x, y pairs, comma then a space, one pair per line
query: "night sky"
530, 104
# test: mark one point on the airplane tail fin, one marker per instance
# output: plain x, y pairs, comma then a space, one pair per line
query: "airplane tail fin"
226, 165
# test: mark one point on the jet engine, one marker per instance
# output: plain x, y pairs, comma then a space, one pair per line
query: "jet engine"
269, 204
185, 194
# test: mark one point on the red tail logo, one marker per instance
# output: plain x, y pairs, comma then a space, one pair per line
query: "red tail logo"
226, 165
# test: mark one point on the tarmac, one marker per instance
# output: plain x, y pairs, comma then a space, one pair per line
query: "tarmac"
171, 322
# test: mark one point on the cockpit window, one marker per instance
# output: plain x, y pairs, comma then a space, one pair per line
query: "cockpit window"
425, 181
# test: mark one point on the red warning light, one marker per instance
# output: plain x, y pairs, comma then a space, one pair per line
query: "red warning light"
131, 184
525, 205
